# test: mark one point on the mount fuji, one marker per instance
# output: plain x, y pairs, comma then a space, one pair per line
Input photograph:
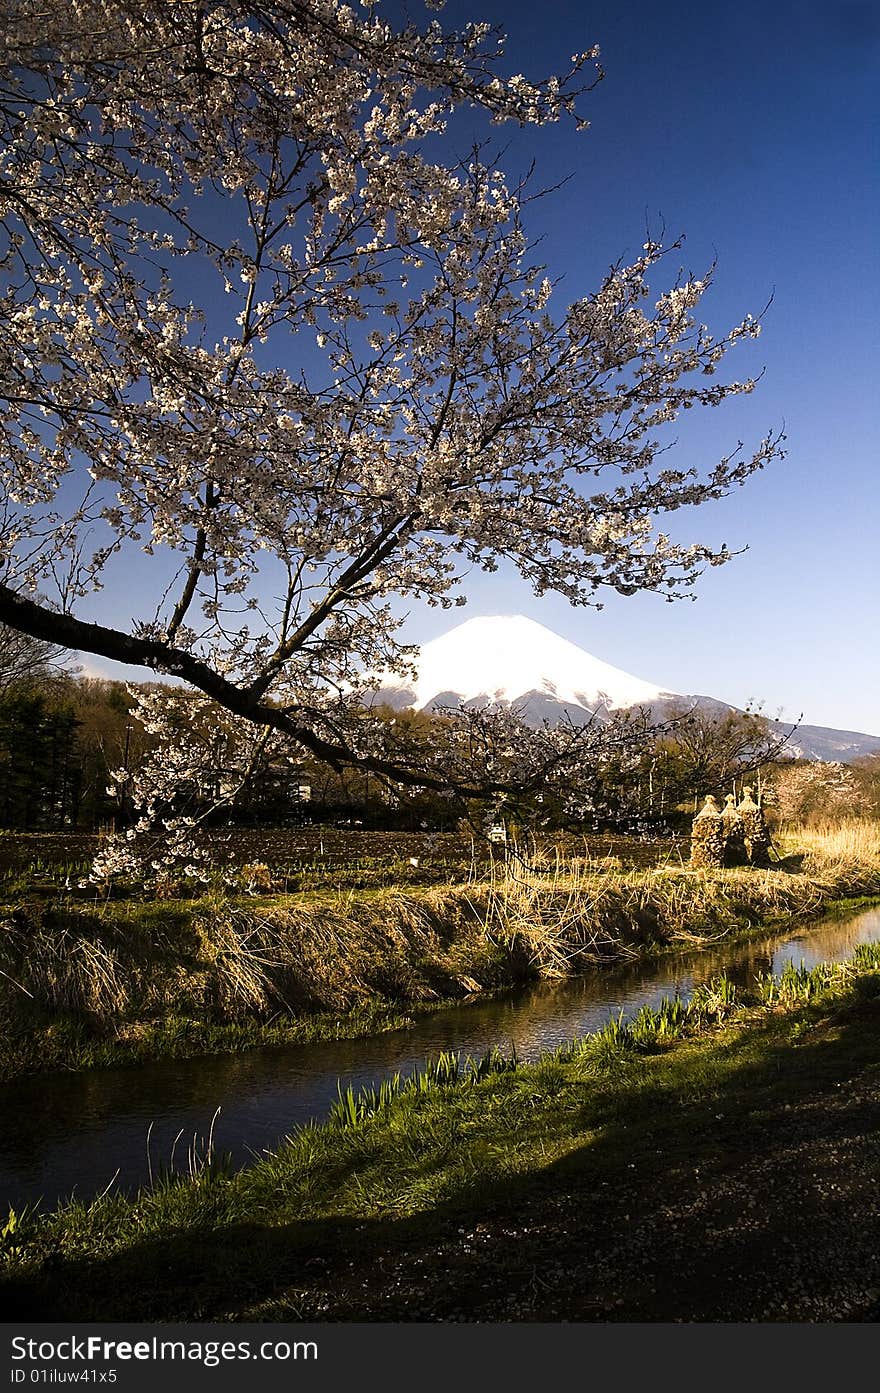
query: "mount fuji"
509, 660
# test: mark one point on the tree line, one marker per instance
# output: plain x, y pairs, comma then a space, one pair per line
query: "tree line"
65, 737
61, 734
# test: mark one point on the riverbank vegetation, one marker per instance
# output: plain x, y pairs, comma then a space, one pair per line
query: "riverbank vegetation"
88, 984
708, 1161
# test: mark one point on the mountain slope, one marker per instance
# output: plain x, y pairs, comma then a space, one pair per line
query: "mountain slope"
505, 659
509, 660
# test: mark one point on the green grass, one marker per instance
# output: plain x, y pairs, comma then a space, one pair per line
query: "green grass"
68, 1044
635, 1138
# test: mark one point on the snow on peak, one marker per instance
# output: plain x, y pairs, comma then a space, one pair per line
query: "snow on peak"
505, 657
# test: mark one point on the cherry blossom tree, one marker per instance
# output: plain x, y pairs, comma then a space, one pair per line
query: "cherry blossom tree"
816, 791
273, 359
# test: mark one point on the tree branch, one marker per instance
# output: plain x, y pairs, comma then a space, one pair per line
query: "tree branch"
53, 627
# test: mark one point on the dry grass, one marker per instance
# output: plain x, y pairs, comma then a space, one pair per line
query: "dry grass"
73, 970
569, 913
330, 954
837, 853
856, 839
225, 961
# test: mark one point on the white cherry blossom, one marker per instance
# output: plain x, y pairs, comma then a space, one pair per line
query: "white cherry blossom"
257, 334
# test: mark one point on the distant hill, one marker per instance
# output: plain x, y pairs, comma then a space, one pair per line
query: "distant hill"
508, 660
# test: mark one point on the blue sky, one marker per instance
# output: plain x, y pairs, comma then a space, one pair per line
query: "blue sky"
753, 130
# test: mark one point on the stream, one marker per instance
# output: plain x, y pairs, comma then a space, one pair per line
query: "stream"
64, 1134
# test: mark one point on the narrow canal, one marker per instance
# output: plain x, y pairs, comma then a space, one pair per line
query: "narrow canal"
79, 1133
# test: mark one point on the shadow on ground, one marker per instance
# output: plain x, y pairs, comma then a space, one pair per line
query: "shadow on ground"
755, 1200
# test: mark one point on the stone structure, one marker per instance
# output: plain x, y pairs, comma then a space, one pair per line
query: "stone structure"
708, 837
734, 833
755, 834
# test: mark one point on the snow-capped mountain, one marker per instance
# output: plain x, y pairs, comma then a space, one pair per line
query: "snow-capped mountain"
509, 660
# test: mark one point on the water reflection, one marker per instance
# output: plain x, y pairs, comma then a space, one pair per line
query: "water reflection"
75, 1132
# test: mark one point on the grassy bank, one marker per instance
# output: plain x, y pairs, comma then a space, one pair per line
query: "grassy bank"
87, 985
711, 1162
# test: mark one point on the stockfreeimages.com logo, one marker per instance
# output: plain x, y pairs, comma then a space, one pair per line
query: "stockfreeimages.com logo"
93, 1349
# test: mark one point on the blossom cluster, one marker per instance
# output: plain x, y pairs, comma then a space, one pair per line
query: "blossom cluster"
254, 329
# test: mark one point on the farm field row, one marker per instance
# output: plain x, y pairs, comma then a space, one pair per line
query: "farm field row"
319, 856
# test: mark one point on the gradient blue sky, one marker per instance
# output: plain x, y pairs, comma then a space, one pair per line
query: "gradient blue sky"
751, 128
